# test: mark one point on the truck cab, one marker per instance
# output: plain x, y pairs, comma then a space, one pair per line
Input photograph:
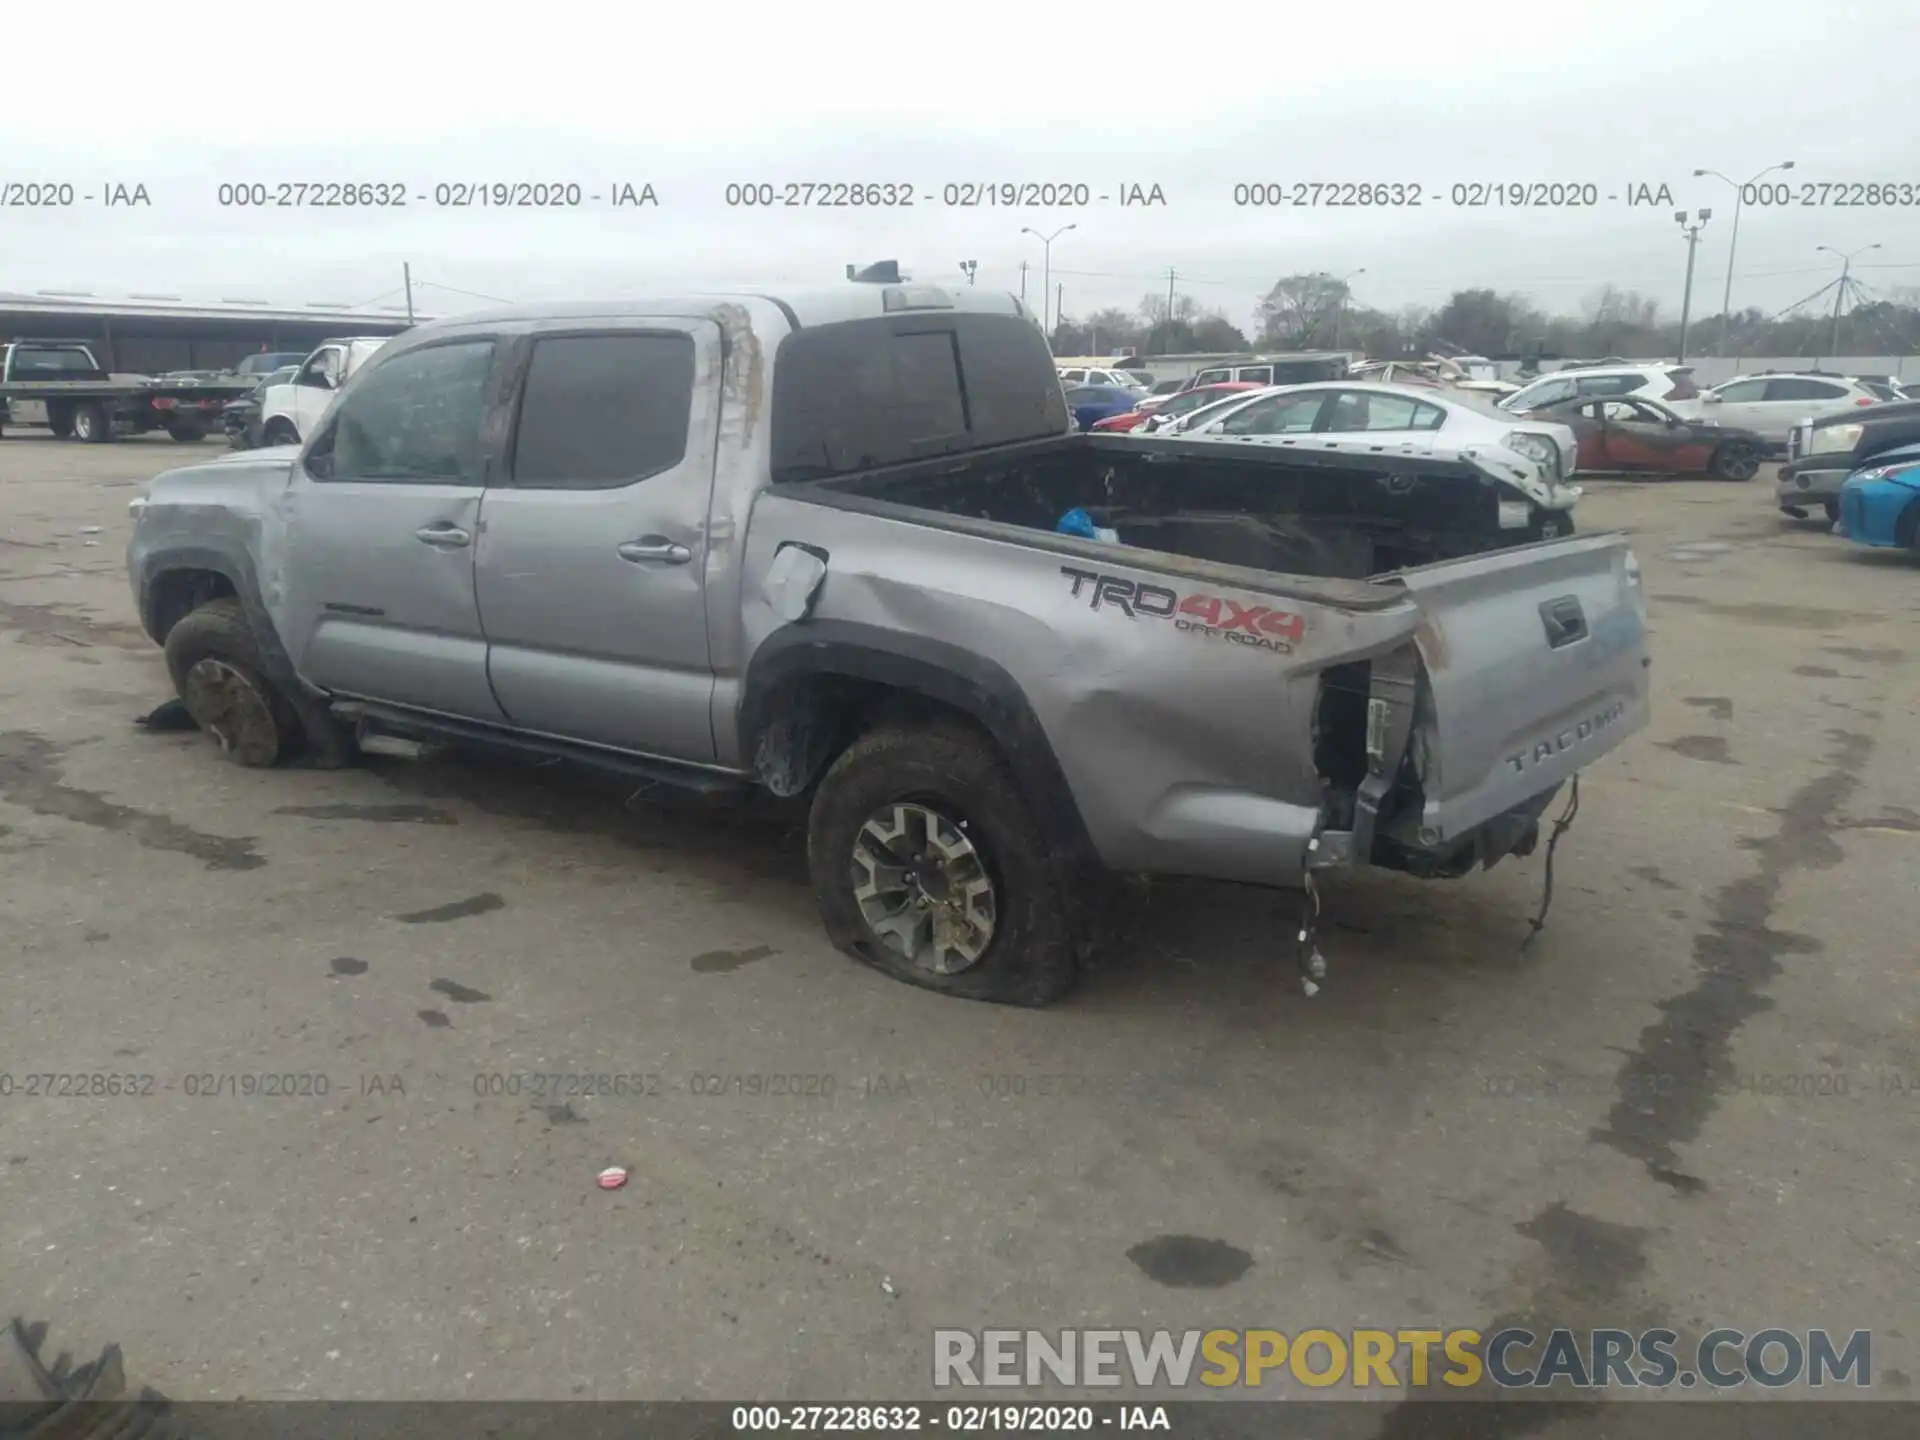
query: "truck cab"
289, 412
24, 360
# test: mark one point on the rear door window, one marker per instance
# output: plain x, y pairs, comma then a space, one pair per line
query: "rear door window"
1277, 415
1792, 387
601, 411
1740, 392
1256, 374
1357, 410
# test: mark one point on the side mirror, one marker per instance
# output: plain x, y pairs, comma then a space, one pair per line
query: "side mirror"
1709, 399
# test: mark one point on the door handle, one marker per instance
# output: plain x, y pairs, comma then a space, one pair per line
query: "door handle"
443, 537
654, 549
1565, 621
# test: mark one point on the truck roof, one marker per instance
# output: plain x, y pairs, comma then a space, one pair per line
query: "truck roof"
803, 306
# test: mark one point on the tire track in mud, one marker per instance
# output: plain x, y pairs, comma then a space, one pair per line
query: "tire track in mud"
1587, 1271
30, 777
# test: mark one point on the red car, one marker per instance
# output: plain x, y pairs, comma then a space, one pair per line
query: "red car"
1183, 403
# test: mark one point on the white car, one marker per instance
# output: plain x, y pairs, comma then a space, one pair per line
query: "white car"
1670, 384
1771, 405
1537, 456
1078, 375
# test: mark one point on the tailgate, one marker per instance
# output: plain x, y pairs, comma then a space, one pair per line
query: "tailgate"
1534, 664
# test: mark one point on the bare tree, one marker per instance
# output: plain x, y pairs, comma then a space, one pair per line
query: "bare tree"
1302, 311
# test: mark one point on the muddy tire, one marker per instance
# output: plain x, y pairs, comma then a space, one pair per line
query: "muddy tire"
1735, 460
928, 864
217, 672
60, 420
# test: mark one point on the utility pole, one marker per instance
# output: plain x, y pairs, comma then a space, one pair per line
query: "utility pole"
1739, 198
1692, 233
1340, 315
1023, 282
1840, 290
406, 274
1059, 305
1046, 276
1170, 280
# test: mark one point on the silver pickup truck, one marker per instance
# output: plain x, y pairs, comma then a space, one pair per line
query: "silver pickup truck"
812, 543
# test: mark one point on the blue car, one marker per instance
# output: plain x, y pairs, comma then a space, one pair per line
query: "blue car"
1099, 402
1880, 504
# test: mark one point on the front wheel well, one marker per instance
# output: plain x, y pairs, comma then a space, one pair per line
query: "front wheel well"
178, 593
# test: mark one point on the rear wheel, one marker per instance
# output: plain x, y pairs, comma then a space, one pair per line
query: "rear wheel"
928, 864
217, 672
1832, 507
91, 423
187, 431
1735, 460
60, 420
279, 431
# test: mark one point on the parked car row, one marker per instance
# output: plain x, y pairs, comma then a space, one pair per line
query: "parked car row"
1862, 471
1768, 404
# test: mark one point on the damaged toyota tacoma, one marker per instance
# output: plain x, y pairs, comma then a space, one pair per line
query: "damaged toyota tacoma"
844, 545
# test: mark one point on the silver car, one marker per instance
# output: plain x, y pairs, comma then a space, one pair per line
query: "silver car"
1535, 456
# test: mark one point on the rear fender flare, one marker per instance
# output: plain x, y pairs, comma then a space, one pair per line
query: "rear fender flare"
788, 663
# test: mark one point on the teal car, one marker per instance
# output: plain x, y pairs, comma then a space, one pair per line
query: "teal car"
1880, 504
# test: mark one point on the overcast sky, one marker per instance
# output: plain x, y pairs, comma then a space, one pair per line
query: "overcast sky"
692, 98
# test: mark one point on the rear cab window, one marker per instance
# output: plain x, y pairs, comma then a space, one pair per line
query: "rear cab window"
51, 360
884, 391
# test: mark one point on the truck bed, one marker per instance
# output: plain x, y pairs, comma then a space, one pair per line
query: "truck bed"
1432, 682
122, 387
1255, 508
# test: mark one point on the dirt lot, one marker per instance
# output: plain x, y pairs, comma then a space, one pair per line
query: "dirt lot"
1693, 1102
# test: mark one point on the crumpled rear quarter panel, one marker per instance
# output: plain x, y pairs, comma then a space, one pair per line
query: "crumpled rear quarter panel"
1187, 752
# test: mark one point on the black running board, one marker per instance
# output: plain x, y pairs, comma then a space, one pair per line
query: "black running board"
367, 718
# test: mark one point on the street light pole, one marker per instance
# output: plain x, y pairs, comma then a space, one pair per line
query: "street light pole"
1692, 233
1840, 291
1739, 199
1046, 278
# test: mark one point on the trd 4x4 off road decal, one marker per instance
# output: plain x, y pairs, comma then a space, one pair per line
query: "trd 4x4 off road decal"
1212, 617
